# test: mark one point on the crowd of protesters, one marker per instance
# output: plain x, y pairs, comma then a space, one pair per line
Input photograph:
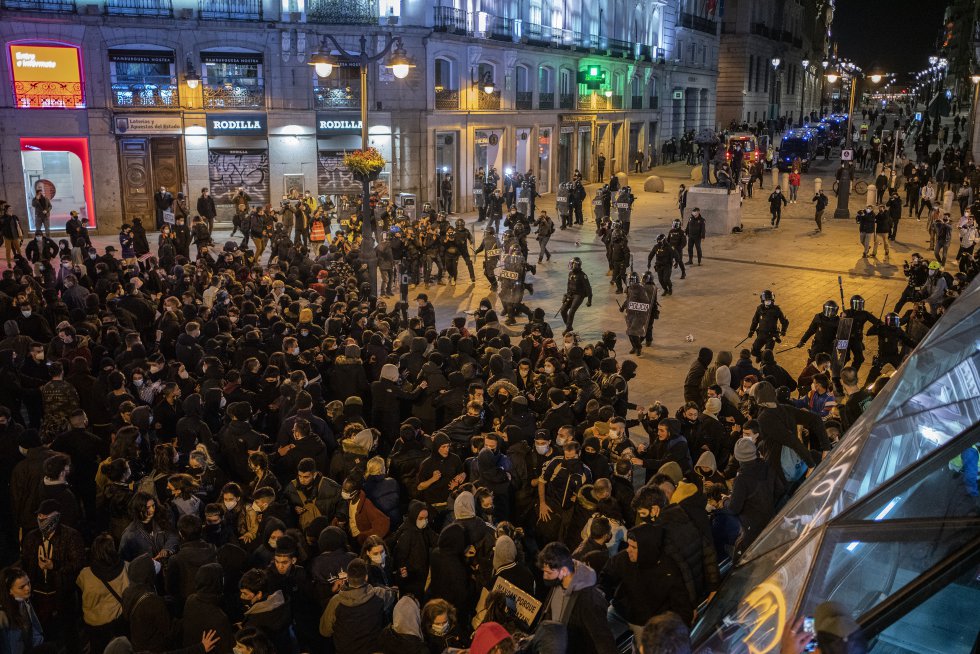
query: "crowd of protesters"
217, 454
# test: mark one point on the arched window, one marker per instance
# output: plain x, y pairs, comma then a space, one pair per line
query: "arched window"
32, 63
566, 91
446, 84
524, 96
654, 91
546, 88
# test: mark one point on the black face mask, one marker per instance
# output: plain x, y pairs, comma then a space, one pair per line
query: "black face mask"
551, 583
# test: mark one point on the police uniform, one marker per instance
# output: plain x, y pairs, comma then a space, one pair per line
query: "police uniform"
823, 328
638, 308
578, 289
768, 324
662, 257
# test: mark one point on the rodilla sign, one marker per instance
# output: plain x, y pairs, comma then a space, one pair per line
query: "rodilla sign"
46, 76
225, 124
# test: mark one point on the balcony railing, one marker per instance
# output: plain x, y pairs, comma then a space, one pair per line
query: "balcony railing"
566, 100
546, 100
636, 102
698, 23
594, 102
230, 9
536, 34
524, 100
342, 12
489, 101
643, 52
618, 48
760, 29
238, 97
450, 19
336, 98
660, 54
500, 29
654, 101
447, 99
54, 6
158, 8
144, 95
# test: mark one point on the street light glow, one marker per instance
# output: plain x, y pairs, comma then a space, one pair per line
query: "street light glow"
832, 77
876, 78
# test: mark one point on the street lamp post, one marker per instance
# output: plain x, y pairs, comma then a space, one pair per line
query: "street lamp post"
323, 63
805, 64
975, 78
775, 89
844, 187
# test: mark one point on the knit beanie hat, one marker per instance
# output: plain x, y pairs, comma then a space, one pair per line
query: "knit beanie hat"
745, 450
713, 406
487, 636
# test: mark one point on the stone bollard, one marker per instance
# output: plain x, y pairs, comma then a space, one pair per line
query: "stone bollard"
948, 200
872, 195
775, 176
653, 184
623, 179
785, 182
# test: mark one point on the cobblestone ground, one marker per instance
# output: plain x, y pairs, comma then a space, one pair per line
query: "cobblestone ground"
716, 302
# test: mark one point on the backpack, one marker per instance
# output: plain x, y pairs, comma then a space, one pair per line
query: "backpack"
793, 466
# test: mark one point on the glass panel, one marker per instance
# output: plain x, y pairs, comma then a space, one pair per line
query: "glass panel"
143, 84
862, 571
861, 464
947, 489
946, 623
754, 603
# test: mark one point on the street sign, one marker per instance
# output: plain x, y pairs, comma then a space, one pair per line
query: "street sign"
847, 155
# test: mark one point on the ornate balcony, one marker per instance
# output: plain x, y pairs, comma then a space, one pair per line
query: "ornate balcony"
230, 9
53, 6
500, 29
447, 99
654, 101
489, 101
336, 98
566, 100
524, 100
636, 102
342, 12
698, 23
145, 95
546, 100
237, 97
450, 20
156, 8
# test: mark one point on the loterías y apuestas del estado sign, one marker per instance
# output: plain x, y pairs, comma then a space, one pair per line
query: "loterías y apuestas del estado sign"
252, 124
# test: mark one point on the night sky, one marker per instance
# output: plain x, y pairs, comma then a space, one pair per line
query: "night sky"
898, 35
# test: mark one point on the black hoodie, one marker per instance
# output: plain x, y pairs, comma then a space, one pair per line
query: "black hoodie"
204, 610
692, 383
149, 620
410, 548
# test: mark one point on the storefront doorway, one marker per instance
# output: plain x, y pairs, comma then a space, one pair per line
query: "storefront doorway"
447, 144
565, 135
147, 164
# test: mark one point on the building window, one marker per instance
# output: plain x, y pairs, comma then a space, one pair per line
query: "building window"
546, 88
765, 80
46, 75
389, 8
341, 90
535, 12
751, 70
232, 80
446, 88
524, 97
143, 78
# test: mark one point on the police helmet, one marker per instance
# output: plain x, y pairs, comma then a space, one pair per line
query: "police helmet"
676, 223
647, 278
460, 223
857, 303
633, 279
426, 206
661, 238
575, 264
935, 265
916, 257
892, 320
830, 308
767, 296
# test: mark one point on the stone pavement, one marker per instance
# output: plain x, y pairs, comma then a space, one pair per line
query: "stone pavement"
716, 302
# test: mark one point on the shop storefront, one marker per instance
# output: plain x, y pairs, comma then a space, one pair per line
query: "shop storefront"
544, 159
61, 169
238, 157
488, 151
522, 151
583, 152
447, 153
338, 134
566, 146
150, 157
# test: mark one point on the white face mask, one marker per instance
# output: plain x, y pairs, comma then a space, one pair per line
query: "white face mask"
422, 523
347, 496
614, 435
550, 370
26, 314
561, 441
231, 505
377, 559
541, 449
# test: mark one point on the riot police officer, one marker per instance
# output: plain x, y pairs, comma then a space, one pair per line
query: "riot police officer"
576, 199
619, 258
823, 328
495, 208
677, 240
512, 284
463, 239
624, 207
891, 340
918, 274
638, 308
768, 324
432, 254
491, 257
654, 306
600, 206
859, 318
578, 289
563, 204
662, 258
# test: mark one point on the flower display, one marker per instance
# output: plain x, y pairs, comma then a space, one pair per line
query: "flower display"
364, 162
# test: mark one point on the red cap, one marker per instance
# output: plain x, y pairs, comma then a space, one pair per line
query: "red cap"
488, 635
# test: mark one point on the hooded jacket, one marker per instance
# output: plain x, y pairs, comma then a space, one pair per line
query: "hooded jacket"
449, 576
203, 610
675, 448
411, 547
507, 567
692, 383
404, 634
650, 586
149, 619
692, 550
777, 427
367, 518
582, 609
272, 616
181, 573
355, 617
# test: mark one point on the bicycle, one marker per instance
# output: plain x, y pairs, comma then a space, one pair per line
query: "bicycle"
858, 186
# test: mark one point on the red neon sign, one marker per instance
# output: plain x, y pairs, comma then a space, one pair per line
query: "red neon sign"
79, 147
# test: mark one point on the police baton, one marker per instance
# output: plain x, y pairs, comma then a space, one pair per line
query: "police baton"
787, 349
883, 305
740, 342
